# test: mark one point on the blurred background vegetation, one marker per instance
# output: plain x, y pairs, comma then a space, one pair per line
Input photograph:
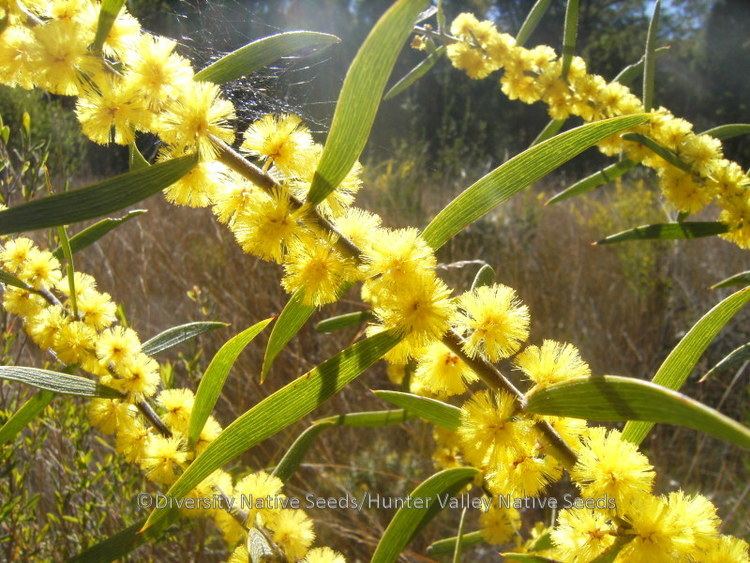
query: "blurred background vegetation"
625, 307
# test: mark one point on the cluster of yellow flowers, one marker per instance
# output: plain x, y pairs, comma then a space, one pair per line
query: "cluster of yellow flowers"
93, 341
141, 84
536, 74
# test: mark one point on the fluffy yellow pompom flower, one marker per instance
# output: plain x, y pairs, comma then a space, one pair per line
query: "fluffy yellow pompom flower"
282, 139
107, 415
232, 199
551, 363
239, 555
441, 373
317, 268
261, 495
75, 342
17, 301
727, 548
324, 555
177, 405
117, 346
610, 466
489, 430
139, 378
401, 257
358, 225
420, 310
699, 520
494, 321
110, 111
292, 531
155, 70
198, 114
163, 459
131, 438
683, 191
210, 431
15, 253
581, 534
497, 524
96, 309
41, 269
43, 326
200, 185
16, 46
522, 473
205, 493
267, 225
59, 53
657, 532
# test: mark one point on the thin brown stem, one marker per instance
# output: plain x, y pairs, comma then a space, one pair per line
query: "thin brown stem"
148, 411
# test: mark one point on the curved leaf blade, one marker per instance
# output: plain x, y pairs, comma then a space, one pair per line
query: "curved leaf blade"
552, 128
409, 519
679, 230
742, 278
23, 416
177, 335
63, 383
261, 53
9, 279
611, 398
735, 358
89, 235
518, 173
669, 155
596, 180
432, 410
415, 74
728, 131
280, 409
682, 359
346, 320
136, 160
532, 21
292, 458
96, 200
292, 318
570, 35
216, 373
448, 545
360, 96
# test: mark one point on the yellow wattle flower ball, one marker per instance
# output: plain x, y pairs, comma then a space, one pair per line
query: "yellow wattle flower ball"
552, 362
497, 524
582, 534
292, 531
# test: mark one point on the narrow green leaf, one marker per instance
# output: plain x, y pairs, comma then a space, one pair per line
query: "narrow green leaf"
485, 276
57, 382
649, 69
611, 398
93, 233
9, 279
360, 96
261, 53
177, 335
570, 35
216, 374
532, 21
628, 74
728, 131
668, 231
550, 130
668, 155
292, 318
282, 408
448, 545
682, 359
440, 17
69, 268
136, 160
735, 358
432, 410
107, 16
518, 173
123, 542
596, 180
742, 278
527, 557
415, 74
409, 519
292, 458
346, 320
610, 554
23, 416
94, 201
